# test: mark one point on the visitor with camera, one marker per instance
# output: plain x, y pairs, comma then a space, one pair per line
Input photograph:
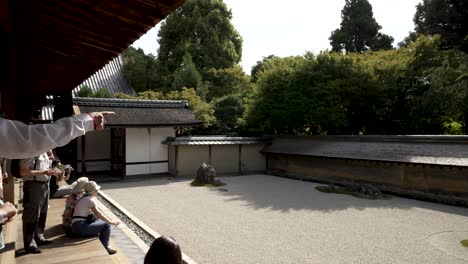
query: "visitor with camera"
36, 173
58, 185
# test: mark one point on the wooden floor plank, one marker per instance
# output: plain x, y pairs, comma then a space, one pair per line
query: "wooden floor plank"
7, 255
63, 249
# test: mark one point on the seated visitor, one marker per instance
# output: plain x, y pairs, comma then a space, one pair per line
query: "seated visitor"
76, 193
164, 250
57, 185
89, 220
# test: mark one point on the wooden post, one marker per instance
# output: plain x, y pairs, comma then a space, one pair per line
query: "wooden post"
209, 155
241, 172
7, 79
176, 160
83, 156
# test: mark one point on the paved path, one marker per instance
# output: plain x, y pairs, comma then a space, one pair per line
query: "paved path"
265, 219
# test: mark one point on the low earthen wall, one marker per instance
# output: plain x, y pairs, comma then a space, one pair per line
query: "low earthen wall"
445, 184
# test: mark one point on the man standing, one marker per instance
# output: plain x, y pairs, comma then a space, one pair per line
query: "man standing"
36, 174
21, 141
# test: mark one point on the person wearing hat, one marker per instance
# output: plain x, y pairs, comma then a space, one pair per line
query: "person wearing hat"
89, 220
76, 193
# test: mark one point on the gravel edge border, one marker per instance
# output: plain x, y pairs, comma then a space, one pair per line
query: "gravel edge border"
146, 234
140, 232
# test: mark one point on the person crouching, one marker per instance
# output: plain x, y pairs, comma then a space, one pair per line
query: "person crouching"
89, 220
70, 203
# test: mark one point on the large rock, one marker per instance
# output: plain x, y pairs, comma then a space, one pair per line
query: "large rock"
206, 174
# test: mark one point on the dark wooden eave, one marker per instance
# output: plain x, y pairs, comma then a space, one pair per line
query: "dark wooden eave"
61, 43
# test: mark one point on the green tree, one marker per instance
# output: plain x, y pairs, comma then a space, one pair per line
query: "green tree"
187, 75
448, 18
293, 96
85, 91
221, 82
258, 67
448, 90
359, 31
227, 110
421, 87
140, 70
412, 37
203, 30
135, 68
201, 110
102, 93
151, 95
123, 96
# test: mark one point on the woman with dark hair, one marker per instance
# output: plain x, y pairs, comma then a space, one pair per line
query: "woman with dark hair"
164, 250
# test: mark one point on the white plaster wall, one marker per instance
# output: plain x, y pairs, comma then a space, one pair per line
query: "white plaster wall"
159, 151
137, 148
225, 158
252, 159
190, 158
144, 145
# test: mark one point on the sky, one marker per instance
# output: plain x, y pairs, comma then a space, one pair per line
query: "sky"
288, 28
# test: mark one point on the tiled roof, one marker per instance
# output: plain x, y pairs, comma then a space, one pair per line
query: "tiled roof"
436, 150
109, 77
216, 140
107, 103
129, 103
145, 116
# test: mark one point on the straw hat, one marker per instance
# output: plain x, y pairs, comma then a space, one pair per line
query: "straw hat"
91, 187
77, 186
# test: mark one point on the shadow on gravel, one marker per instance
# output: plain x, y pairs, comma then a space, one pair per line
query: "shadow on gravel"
276, 193
284, 194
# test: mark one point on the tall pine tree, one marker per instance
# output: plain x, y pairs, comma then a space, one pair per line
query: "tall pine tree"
359, 31
448, 18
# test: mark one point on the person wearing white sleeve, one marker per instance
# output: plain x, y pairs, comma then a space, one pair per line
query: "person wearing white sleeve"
20, 141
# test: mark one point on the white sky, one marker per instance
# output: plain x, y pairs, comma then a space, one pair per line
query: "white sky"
286, 28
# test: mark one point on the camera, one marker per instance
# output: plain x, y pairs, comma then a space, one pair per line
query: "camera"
67, 169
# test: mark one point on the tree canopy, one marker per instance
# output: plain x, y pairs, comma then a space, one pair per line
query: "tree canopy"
418, 88
202, 30
448, 18
359, 31
403, 91
140, 69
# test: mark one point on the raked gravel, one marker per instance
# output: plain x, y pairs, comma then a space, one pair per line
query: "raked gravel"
265, 219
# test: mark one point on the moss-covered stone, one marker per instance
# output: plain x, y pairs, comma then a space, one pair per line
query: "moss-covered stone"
197, 183
353, 191
464, 242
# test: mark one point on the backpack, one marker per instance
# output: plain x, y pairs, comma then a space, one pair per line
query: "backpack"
69, 211
15, 167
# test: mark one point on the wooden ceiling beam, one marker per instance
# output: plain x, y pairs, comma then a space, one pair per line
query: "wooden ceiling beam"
133, 13
61, 12
76, 49
61, 43
42, 26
